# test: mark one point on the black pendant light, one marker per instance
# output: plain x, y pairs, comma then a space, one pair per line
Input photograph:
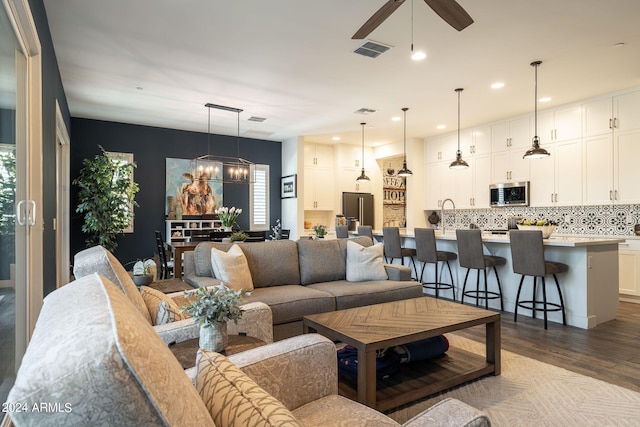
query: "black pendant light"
459, 163
362, 176
405, 171
536, 152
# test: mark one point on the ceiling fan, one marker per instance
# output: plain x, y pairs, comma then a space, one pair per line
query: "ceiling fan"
449, 10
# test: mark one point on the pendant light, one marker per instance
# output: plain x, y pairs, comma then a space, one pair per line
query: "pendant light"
418, 55
405, 171
536, 152
458, 163
362, 176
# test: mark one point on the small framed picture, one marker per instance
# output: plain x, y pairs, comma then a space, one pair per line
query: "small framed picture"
289, 187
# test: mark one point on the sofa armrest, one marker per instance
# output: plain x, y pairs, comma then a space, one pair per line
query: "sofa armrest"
189, 273
256, 322
450, 413
296, 370
398, 272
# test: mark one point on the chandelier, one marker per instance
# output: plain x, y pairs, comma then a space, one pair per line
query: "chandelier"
228, 170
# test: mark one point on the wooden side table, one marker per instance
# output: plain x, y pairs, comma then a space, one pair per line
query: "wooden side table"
186, 351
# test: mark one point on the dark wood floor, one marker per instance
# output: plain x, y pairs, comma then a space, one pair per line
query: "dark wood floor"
609, 352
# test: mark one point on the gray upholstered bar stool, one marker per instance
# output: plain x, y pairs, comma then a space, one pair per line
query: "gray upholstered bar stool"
427, 253
393, 247
527, 253
342, 232
472, 257
366, 230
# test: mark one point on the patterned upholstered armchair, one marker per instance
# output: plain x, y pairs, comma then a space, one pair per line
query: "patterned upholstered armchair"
159, 309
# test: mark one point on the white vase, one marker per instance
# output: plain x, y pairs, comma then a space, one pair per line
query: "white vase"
214, 337
227, 228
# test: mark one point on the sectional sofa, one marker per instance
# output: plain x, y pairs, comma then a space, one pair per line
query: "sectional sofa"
299, 278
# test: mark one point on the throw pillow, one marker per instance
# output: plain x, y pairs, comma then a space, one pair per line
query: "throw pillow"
232, 268
364, 264
234, 399
161, 308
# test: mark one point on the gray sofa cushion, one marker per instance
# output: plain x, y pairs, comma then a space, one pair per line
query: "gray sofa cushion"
289, 303
357, 294
325, 260
91, 350
272, 263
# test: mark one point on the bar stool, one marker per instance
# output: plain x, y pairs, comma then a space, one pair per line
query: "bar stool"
366, 230
393, 247
342, 232
472, 257
527, 253
427, 253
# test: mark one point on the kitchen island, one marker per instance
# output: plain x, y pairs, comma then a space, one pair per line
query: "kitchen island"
590, 287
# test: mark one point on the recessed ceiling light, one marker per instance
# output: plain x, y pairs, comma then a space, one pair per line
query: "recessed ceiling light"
336, 138
544, 99
418, 55
441, 126
497, 85
396, 119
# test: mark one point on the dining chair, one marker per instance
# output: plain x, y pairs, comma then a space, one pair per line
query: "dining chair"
342, 232
166, 263
366, 230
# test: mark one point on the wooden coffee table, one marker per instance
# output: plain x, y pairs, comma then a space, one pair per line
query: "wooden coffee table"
380, 326
186, 351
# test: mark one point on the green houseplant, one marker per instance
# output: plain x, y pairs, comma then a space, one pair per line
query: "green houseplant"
106, 198
212, 308
320, 231
238, 236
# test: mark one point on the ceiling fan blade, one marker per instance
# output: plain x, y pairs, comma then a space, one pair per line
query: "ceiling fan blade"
378, 18
452, 13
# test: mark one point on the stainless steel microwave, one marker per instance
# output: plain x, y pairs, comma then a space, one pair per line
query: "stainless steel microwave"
509, 194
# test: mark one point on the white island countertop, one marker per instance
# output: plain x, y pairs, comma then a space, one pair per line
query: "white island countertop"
554, 240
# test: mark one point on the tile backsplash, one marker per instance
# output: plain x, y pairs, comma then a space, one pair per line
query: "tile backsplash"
617, 220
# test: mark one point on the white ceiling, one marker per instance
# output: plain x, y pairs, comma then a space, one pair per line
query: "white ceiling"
157, 62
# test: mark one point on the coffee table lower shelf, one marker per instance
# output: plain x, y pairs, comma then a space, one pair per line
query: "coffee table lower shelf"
417, 380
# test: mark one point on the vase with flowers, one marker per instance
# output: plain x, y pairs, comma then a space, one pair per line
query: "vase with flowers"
228, 216
212, 308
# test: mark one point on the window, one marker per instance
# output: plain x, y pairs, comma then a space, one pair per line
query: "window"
259, 199
125, 158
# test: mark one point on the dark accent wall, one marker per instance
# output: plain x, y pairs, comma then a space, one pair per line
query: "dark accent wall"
52, 90
150, 147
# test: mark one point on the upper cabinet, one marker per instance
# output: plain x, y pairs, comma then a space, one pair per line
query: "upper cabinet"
511, 134
319, 189
611, 149
320, 155
350, 160
560, 125
553, 179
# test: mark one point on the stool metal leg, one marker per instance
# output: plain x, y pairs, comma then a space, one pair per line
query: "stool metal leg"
564, 318
453, 289
499, 288
464, 286
515, 311
544, 301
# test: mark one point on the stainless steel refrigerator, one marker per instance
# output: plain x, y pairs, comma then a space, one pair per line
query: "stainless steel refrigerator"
358, 206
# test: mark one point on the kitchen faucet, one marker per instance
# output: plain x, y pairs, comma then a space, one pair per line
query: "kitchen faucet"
442, 211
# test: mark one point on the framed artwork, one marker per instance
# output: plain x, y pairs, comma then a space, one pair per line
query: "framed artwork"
289, 187
194, 192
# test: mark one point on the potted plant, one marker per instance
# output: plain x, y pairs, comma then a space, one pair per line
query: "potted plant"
320, 231
238, 236
106, 198
228, 216
143, 272
212, 308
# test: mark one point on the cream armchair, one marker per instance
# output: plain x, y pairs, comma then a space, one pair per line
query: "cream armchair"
256, 320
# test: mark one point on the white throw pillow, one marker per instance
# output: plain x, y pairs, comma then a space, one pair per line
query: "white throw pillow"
232, 268
365, 264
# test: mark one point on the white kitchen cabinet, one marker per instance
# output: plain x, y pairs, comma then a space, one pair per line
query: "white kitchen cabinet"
318, 189
471, 185
560, 125
318, 155
436, 175
611, 168
509, 166
480, 142
442, 148
618, 113
555, 180
629, 268
512, 134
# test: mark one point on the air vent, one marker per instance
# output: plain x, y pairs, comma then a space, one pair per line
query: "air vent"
256, 119
372, 49
364, 111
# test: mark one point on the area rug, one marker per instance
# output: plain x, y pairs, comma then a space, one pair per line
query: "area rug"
532, 393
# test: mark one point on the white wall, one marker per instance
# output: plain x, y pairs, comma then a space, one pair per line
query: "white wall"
292, 163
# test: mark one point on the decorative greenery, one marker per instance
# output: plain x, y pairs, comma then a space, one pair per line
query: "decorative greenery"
238, 236
538, 222
320, 230
107, 192
228, 216
215, 304
276, 231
